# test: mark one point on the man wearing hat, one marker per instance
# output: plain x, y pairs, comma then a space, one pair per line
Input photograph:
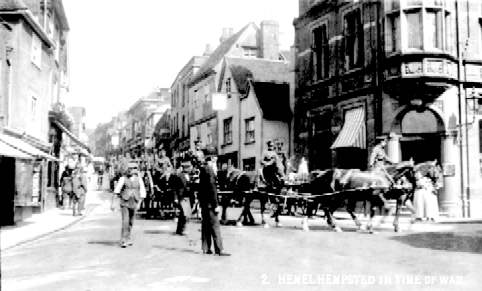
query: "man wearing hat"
131, 190
208, 200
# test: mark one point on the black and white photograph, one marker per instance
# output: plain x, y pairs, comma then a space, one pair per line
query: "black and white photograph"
240, 145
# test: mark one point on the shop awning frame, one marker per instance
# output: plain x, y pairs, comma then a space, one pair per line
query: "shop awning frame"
353, 132
8, 151
72, 136
25, 147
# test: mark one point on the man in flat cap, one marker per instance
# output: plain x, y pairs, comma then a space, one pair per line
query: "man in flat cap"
131, 190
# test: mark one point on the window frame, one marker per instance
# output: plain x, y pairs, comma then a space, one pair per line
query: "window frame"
320, 54
227, 87
36, 51
228, 131
350, 62
249, 133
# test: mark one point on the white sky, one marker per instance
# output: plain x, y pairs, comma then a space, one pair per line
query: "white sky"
120, 50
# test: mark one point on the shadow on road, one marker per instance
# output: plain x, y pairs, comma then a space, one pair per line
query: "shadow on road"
444, 241
109, 243
182, 250
158, 231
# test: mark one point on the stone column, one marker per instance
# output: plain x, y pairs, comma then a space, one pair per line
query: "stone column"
393, 148
449, 195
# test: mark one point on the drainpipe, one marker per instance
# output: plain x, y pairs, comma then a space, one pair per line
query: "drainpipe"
460, 89
467, 195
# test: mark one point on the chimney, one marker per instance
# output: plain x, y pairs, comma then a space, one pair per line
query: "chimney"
207, 50
269, 39
227, 33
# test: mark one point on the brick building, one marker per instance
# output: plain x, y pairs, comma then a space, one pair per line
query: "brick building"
408, 70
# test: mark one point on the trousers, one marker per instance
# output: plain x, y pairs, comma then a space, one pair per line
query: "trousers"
210, 231
128, 215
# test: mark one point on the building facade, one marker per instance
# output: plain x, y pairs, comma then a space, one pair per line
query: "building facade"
33, 78
252, 87
408, 70
250, 42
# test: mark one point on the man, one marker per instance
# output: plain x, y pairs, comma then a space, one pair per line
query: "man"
271, 158
208, 200
378, 157
80, 186
179, 186
66, 186
163, 161
131, 191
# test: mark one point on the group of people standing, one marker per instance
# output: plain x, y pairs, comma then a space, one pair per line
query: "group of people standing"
74, 187
193, 183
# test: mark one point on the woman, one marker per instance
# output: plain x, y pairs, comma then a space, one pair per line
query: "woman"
425, 200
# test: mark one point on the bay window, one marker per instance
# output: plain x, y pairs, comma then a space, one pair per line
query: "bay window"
419, 25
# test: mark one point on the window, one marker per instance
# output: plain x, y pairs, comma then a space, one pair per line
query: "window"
249, 164
393, 35
249, 125
250, 52
183, 133
228, 87
228, 130
353, 39
414, 23
321, 50
433, 29
36, 51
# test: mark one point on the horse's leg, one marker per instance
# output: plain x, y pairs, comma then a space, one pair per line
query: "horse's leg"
397, 213
330, 219
373, 207
350, 208
263, 199
224, 205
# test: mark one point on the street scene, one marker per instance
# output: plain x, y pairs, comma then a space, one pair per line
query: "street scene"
240, 145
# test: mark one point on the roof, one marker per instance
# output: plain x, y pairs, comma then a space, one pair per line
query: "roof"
270, 94
12, 5
218, 54
261, 70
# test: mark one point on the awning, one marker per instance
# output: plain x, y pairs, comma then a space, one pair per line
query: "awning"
25, 147
71, 135
353, 133
9, 151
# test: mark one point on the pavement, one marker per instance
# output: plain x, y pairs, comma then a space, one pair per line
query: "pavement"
45, 223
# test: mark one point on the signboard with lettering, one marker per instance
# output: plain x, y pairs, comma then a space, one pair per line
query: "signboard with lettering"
448, 169
412, 69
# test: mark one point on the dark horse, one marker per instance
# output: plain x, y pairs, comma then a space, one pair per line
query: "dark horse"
243, 187
335, 188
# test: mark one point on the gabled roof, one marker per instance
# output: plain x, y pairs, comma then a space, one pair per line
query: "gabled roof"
12, 5
262, 70
273, 99
218, 54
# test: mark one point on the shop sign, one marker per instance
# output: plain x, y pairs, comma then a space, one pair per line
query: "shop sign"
448, 169
412, 69
473, 73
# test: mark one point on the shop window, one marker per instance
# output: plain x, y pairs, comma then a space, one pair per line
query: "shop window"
433, 29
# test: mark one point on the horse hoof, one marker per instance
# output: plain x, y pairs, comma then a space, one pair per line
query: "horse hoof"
239, 224
337, 229
266, 225
396, 228
279, 224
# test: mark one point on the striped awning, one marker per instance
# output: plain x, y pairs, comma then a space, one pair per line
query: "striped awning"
353, 133
9, 151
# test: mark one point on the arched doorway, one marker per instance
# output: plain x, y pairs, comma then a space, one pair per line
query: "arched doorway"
421, 131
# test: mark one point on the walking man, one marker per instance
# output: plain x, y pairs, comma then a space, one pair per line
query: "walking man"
66, 186
208, 200
131, 191
80, 185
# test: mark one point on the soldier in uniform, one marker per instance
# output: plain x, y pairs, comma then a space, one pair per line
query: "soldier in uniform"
130, 188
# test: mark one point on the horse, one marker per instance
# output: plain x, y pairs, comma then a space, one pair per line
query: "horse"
335, 188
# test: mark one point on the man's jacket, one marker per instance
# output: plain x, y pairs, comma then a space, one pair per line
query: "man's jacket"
208, 194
